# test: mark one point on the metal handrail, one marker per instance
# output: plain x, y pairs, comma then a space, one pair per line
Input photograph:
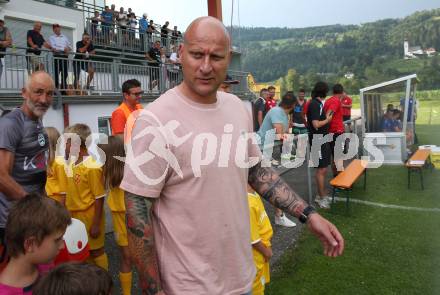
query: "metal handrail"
71, 74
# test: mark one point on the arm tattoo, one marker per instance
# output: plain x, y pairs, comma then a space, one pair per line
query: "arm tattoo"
141, 242
273, 189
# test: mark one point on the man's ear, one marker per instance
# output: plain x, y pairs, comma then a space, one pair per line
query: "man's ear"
30, 244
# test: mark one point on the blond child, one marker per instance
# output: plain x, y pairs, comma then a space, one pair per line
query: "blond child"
34, 236
113, 171
261, 235
75, 279
85, 193
56, 183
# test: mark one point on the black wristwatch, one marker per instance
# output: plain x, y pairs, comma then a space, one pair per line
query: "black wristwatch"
305, 214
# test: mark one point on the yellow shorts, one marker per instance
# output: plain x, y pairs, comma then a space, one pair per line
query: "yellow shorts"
120, 228
57, 197
263, 275
86, 217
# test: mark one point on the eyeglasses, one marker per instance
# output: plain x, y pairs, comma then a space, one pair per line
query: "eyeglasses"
137, 93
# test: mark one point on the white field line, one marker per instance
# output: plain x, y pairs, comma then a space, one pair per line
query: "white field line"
381, 205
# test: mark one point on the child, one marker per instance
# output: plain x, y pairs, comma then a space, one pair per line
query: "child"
56, 183
75, 279
261, 235
113, 171
85, 194
34, 236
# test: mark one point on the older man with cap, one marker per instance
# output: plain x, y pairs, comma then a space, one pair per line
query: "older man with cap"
61, 47
24, 145
191, 156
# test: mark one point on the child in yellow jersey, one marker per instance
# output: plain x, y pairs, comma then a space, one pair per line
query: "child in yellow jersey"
56, 183
85, 193
113, 171
261, 235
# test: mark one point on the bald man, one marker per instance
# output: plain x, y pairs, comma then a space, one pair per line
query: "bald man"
24, 145
35, 41
188, 222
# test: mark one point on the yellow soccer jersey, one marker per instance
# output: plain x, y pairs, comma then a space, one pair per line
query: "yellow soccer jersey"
84, 185
261, 229
56, 183
115, 200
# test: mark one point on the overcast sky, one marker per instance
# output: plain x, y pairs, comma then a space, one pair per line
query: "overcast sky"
279, 13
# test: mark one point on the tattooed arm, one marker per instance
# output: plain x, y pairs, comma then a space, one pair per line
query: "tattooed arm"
141, 242
271, 187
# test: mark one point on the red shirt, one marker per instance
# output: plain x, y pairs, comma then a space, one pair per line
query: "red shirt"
346, 111
336, 124
305, 108
270, 103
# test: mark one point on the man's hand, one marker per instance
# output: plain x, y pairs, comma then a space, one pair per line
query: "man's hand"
327, 233
95, 230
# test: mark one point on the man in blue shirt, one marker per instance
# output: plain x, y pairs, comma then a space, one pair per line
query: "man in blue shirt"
143, 27
107, 22
278, 118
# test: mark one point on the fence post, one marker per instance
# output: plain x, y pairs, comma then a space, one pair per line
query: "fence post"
115, 75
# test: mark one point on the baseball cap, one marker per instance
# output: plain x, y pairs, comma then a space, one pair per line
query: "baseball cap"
145, 15
228, 80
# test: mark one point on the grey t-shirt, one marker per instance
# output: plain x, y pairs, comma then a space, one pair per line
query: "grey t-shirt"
28, 141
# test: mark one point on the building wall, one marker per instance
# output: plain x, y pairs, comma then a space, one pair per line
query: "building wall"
29, 11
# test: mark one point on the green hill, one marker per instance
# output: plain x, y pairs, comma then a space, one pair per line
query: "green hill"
372, 51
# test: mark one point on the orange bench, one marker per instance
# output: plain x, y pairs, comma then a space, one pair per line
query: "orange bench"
345, 179
416, 163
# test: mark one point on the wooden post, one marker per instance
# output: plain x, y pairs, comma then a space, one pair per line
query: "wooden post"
215, 9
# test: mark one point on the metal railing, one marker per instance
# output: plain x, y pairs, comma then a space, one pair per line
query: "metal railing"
128, 39
81, 74
242, 77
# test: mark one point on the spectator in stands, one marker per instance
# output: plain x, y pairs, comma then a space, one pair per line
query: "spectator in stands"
299, 126
84, 49
132, 24
318, 123
270, 101
61, 47
164, 34
95, 23
106, 23
5, 42
175, 35
174, 67
151, 29
130, 11
122, 23
260, 109
35, 41
143, 27
154, 60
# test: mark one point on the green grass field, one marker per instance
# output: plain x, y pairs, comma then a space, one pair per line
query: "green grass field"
388, 251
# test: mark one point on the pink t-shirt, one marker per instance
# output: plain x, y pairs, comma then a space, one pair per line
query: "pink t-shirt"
201, 224
8, 290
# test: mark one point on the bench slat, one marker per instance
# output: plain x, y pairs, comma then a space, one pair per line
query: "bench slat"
346, 178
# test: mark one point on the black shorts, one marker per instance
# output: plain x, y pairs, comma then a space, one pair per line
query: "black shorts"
324, 155
333, 144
